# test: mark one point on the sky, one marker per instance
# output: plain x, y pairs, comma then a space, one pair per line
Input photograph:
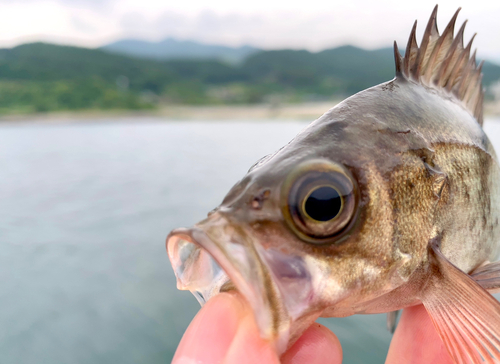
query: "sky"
311, 24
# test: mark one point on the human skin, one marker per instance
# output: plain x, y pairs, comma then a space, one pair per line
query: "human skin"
224, 331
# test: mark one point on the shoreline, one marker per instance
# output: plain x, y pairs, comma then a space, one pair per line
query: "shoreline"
300, 111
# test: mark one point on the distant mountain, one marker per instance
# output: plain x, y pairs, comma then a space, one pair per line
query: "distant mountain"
50, 62
55, 77
343, 70
174, 49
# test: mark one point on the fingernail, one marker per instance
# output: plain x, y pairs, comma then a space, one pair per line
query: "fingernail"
211, 332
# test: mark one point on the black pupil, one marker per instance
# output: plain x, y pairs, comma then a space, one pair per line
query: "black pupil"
323, 204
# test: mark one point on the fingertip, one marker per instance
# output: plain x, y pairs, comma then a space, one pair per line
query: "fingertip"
210, 334
416, 340
248, 347
318, 345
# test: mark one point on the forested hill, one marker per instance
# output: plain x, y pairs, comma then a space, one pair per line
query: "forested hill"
344, 70
39, 77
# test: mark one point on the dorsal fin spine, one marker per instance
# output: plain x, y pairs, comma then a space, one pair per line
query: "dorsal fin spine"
451, 58
472, 92
474, 96
411, 50
458, 70
441, 50
479, 106
465, 81
442, 63
430, 35
398, 59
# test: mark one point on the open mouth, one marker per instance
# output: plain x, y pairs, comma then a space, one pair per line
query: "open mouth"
196, 270
214, 256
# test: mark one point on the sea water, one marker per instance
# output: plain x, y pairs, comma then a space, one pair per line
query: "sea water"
85, 208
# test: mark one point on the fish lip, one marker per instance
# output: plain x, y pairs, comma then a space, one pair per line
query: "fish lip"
243, 267
198, 237
172, 242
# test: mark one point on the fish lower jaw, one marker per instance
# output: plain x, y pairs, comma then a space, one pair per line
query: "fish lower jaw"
214, 257
205, 268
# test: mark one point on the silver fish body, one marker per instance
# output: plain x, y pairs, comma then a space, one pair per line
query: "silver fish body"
388, 200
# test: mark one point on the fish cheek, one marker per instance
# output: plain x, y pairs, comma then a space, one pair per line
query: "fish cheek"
398, 219
307, 275
416, 191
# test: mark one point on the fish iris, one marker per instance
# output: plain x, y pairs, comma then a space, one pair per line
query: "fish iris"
323, 204
319, 200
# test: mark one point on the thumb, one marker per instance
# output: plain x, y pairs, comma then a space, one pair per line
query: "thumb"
224, 331
416, 340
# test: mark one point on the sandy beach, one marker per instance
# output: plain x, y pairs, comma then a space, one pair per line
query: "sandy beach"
301, 111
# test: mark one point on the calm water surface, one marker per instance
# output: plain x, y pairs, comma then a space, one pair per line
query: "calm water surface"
85, 209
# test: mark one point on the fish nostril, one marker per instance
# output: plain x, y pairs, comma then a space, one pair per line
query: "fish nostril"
256, 203
258, 200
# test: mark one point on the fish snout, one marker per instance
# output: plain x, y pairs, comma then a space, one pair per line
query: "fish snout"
216, 255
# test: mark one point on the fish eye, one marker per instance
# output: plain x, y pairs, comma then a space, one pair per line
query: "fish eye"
319, 200
323, 203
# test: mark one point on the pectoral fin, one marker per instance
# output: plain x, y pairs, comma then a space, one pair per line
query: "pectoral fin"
466, 317
488, 277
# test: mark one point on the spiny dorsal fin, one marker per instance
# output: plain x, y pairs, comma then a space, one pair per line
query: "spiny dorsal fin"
442, 63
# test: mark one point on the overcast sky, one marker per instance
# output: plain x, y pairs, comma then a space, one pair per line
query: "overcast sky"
312, 24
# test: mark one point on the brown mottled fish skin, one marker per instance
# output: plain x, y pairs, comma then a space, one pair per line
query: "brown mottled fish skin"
425, 169
426, 209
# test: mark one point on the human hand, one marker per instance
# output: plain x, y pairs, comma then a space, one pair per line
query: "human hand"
225, 332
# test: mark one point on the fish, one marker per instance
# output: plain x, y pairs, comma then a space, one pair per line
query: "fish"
388, 200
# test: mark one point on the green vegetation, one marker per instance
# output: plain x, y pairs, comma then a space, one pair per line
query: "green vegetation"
42, 77
31, 96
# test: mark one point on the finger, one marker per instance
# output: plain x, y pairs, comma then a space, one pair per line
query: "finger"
416, 340
211, 332
248, 347
318, 345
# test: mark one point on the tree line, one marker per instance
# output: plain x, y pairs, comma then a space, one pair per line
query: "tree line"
42, 77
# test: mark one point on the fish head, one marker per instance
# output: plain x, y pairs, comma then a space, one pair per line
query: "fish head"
310, 230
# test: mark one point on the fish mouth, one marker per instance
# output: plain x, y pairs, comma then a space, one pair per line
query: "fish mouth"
195, 268
216, 256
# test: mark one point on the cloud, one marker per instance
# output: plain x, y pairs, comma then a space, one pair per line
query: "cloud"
278, 30
66, 2
313, 30
262, 23
92, 4
81, 24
